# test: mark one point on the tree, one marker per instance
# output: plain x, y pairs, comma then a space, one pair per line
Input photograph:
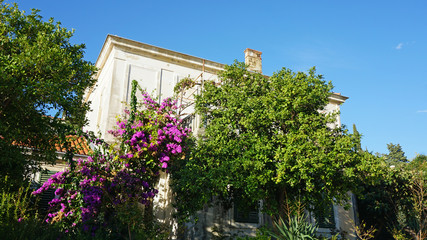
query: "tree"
419, 162
395, 201
41, 74
266, 138
358, 135
385, 200
395, 155
417, 222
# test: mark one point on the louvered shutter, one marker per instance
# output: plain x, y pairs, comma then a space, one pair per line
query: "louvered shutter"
326, 218
49, 194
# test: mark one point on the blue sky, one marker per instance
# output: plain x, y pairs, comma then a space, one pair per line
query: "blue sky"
374, 52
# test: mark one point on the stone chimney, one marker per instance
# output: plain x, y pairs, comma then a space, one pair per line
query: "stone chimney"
253, 60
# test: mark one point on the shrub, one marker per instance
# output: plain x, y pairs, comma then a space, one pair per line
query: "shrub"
111, 192
298, 228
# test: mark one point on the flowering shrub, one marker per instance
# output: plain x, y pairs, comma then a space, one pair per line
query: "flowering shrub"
119, 175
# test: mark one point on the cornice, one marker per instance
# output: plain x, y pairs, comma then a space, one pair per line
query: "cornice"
154, 52
337, 98
169, 56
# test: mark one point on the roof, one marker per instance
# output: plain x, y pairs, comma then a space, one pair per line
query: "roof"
79, 145
337, 98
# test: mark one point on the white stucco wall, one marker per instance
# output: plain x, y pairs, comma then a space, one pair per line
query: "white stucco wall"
119, 64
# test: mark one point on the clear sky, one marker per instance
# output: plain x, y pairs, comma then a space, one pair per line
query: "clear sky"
374, 52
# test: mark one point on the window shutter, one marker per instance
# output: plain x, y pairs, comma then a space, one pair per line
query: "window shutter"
47, 195
326, 218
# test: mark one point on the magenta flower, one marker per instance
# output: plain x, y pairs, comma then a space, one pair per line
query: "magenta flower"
111, 177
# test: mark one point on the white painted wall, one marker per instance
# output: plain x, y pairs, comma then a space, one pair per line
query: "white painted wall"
157, 77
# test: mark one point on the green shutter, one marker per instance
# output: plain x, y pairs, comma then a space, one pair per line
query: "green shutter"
47, 195
326, 217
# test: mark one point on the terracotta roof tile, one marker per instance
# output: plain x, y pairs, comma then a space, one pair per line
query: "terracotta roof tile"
79, 144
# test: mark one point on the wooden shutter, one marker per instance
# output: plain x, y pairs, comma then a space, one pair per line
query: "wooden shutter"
326, 217
47, 195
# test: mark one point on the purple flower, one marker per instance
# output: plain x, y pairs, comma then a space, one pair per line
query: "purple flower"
54, 201
59, 191
155, 135
63, 207
152, 147
164, 158
121, 124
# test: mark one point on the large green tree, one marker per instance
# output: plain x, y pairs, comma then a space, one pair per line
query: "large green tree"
41, 74
395, 155
267, 138
385, 200
395, 200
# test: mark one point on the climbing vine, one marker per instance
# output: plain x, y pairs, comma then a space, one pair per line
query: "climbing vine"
115, 185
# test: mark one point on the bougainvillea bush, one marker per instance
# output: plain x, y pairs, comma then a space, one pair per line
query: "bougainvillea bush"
116, 183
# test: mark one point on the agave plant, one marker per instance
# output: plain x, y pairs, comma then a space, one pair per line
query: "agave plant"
298, 228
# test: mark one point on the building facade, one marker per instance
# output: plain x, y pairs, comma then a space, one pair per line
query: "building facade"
158, 70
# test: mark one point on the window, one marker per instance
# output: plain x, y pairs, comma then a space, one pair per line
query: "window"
243, 212
325, 218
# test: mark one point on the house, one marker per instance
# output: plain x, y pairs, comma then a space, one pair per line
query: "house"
158, 70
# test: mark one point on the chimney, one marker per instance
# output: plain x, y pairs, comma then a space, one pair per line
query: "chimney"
253, 60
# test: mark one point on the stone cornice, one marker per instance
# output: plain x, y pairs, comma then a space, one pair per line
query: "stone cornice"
337, 98
154, 52
169, 56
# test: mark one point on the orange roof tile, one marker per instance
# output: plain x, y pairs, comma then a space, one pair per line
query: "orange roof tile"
79, 145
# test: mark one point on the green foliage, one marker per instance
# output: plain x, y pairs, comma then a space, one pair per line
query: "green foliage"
19, 218
395, 201
419, 163
184, 84
399, 234
262, 233
381, 199
396, 156
41, 72
334, 237
418, 189
266, 137
357, 135
261, 237
14, 205
364, 232
298, 228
